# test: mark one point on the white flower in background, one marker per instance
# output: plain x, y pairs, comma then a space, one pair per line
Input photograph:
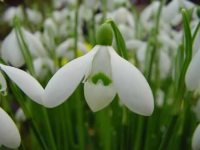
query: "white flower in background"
127, 31
167, 41
65, 49
43, 66
147, 14
34, 16
19, 115
60, 16
160, 95
192, 78
140, 49
123, 16
171, 12
196, 139
11, 53
105, 75
9, 134
11, 12
50, 33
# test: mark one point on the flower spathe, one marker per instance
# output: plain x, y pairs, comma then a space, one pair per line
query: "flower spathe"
104, 74
9, 134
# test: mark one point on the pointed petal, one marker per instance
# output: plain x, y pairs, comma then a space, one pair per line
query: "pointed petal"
131, 86
98, 96
196, 139
11, 53
192, 78
9, 134
66, 80
25, 82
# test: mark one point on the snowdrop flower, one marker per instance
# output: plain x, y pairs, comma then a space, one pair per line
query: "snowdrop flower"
11, 53
105, 74
65, 49
11, 12
34, 16
9, 134
196, 139
123, 16
147, 13
43, 66
192, 78
19, 115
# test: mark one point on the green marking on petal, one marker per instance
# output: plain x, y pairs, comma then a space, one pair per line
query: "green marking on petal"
101, 76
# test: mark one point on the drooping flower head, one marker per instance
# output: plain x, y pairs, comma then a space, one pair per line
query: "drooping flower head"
104, 74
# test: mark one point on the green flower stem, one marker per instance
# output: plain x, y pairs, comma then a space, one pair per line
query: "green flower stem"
104, 127
80, 119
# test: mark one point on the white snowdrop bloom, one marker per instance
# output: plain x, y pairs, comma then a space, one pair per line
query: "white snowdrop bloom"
91, 4
160, 98
196, 139
167, 41
25, 82
43, 66
19, 115
135, 44
105, 75
127, 31
11, 12
34, 16
176, 20
171, 10
165, 64
9, 134
60, 16
65, 49
192, 78
123, 16
148, 13
11, 52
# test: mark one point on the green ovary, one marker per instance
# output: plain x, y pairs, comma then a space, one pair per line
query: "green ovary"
101, 76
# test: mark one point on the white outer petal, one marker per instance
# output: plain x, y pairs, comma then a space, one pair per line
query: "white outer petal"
29, 85
98, 96
192, 78
9, 134
131, 86
196, 139
66, 80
